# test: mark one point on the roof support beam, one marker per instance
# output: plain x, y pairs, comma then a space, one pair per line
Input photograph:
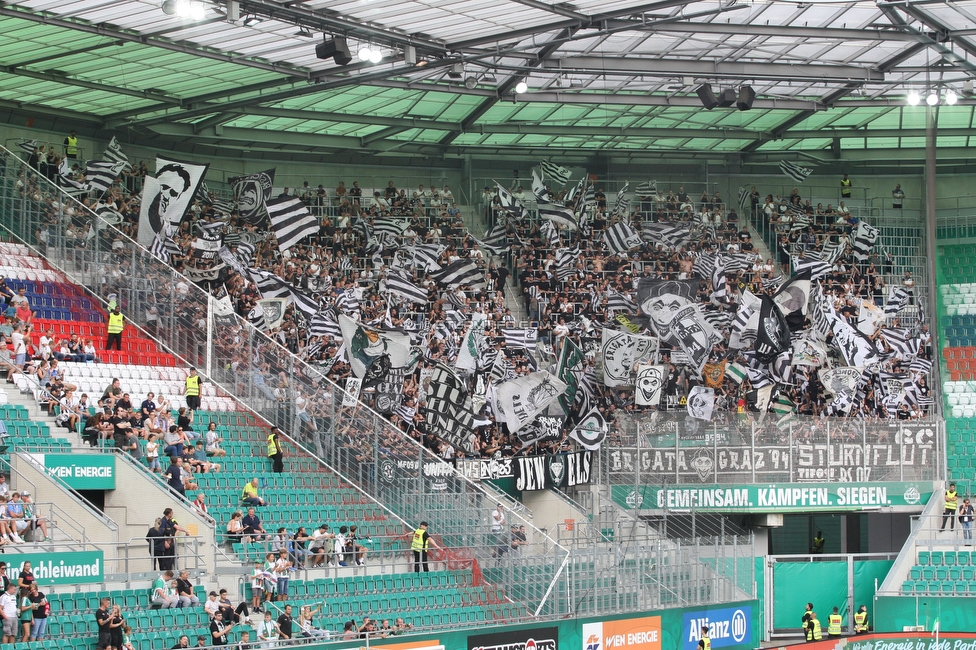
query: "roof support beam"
726, 70
382, 134
90, 85
935, 23
782, 31
145, 39
213, 122
69, 53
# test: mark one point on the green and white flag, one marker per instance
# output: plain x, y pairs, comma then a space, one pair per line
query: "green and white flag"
736, 372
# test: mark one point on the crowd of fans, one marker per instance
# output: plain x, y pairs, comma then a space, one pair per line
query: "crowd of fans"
341, 261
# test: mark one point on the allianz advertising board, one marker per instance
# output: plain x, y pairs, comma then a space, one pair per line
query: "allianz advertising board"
726, 627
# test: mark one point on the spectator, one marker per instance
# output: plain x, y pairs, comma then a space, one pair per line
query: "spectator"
518, 539
102, 619
42, 610
182, 643
175, 476
116, 622
282, 570
235, 528
152, 454
321, 545
268, 631
219, 629
160, 591
249, 494
30, 515
185, 591
258, 578
211, 606
25, 609
213, 441
232, 614
200, 505
306, 624
252, 526
285, 623
897, 197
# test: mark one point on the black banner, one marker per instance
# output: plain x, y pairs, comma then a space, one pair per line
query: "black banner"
553, 471
540, 638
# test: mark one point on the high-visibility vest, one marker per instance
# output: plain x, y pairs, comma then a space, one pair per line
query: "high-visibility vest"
951, 500
706, 643
273, 446
71, 148
845, 186
833, 624
193, 386
418, 543
860, 621
115, 323
815, 634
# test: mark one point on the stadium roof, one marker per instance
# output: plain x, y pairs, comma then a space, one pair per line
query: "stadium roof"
616, 77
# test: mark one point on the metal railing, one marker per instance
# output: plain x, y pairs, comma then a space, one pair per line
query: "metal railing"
672, 448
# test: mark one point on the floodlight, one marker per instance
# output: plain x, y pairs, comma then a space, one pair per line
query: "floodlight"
375, 56
932, 99
169, 7
521, 87
471, 83
951, 98
913, 98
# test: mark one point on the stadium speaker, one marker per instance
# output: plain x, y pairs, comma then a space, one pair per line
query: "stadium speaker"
335, 49
746, 96
727, 98
707, 97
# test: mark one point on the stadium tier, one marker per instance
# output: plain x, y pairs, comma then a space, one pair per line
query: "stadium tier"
957, 329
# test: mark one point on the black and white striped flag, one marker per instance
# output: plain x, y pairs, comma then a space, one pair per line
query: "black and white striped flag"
389, 226
27, 146
101, 175
526, 338
426, 255
901, 342
833, 250
245, 253
801, 221
794, 171
164, 248
113, 153
325, 322
509, 203
617, 301
622, 205
291, 221
224, 206
817, 268
621, 238
347, 302
462, 273
557, 174
668, 234
539, 190
719, 288
399, 284
864, 238
647, 189
550, 232
719, 319
268, 284
897, 299
744, 195
565, 260
66, 178
501, 370
559, 215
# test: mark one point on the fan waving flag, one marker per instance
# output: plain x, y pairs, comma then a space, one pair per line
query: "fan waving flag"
509, 203
555, 173
743, 197
621, 238
291, 221
864, 238
66, 180
622, 205
165, 248
113, 153
399, 284
28, 146
558, 215
462, 273
794, 171
101, 175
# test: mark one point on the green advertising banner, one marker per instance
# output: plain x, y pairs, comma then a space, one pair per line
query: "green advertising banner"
894, 613
68, 568
797, 583
775, 497
80, 471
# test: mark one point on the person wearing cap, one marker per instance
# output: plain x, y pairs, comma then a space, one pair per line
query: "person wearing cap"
419, 544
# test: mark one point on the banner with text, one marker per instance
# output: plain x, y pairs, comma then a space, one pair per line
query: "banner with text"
846, 497
63, 568
80, 471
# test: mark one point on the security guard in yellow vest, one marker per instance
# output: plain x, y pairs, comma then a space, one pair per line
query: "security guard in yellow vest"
835, 624
806, 615
274, 451
950, 508
116, 323
421, 540
813, 628
191, 390
845, 187
861, 620
704, 643
71, 146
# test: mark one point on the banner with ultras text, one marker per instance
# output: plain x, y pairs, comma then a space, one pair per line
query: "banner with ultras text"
779, 497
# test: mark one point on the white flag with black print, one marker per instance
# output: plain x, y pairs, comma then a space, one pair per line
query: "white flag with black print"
67, 182
399, 284
462, 273
864, 238
565, 261
524, 398
649, 385
622, 205
509, 203
291, 221
556, 173
817, 268
794, 171
526, 338
113, 153
27, 146
621, 238
168, 197
274, 312
591, 431
164, 248
744, 199
897, 299
539, 189
701, 403
557, 214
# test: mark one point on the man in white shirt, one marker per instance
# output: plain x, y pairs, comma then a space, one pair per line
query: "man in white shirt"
8, 609
446, 195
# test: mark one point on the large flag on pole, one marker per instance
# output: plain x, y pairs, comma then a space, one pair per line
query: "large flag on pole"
291, 220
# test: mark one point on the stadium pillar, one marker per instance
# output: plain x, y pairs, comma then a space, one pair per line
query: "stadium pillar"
931, 132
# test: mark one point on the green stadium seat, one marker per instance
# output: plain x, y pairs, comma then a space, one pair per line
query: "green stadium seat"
924, 558
937, 558
949, 558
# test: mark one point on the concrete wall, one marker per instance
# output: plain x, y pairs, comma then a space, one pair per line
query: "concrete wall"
136, 504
